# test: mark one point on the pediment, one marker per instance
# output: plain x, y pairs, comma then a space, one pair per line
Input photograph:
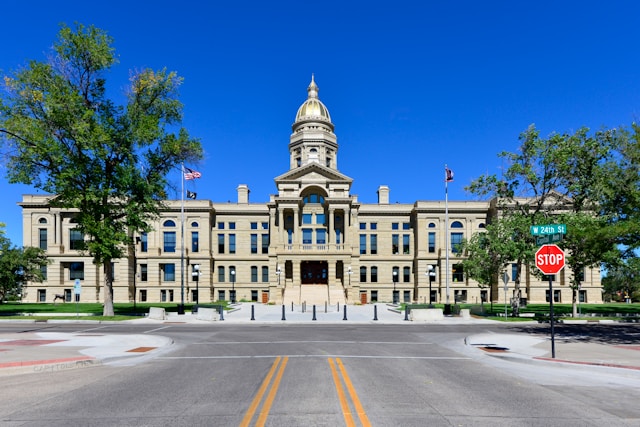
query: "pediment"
313, 172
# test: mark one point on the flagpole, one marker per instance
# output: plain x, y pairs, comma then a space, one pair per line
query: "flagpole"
181, 310
446, 230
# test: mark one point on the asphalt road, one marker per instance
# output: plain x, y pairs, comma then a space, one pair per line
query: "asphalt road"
317, 375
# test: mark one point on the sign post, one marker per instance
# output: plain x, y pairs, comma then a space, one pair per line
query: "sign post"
550, 260
77, 288
505, 280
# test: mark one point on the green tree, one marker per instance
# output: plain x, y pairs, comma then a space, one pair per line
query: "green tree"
623, 280
18, 266
62, 134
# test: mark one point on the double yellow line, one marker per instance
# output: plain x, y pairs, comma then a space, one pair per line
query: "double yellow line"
339, 374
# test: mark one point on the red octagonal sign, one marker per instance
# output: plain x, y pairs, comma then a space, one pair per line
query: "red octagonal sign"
550, 259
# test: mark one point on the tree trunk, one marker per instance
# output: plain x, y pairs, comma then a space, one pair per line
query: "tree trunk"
574, 302
107, 310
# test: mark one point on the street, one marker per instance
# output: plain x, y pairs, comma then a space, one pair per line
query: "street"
295, 375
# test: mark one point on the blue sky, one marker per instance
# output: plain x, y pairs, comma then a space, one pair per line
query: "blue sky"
410, 85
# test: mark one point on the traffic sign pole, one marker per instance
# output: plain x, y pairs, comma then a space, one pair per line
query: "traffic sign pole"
550, 260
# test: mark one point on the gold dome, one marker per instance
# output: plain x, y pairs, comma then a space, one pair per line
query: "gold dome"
313, 108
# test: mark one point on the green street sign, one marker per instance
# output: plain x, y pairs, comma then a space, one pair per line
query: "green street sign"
547, 239
544, 230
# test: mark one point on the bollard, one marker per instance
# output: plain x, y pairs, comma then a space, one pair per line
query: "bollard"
283, 318
221, 312
291, 305
338, 307
253, 317
406, 312
345, 312
325, 306
375, 312
314, 312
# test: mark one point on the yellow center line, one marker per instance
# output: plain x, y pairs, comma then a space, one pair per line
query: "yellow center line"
256, 400
346, 412
266, 407
354, 396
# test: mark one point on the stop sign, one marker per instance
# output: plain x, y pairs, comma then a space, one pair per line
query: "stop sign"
550, 259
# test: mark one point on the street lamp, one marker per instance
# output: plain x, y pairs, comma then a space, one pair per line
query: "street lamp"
349, 272
395, 292
233, 286
195, 273
278, 272
431, 272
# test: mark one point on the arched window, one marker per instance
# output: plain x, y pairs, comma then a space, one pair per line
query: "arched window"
42, 221
432, 225
313, 198
456, 224
481, 225
169, 223
194, 224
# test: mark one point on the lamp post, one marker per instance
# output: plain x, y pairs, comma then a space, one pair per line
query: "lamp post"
233, 286
349, 273
278, 272
195, 273
431, 272
395, 292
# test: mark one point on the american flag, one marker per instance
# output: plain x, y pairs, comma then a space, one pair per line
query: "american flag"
448, 174
191, 174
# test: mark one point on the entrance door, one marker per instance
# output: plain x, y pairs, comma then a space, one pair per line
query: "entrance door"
314, 272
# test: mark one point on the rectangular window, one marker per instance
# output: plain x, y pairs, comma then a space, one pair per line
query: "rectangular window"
363, 226
556, 295
221, 295
144, 245
42, 295
395, 244
321, 236
582, 295
254, 243
374, 274
232, 226
363, 274
195, 241
265, 243
514, 271
406, 274
194, 295
338, 237
169, 241
221, 226
220, 243
306, 218
76, 240
42, 238
254, 295
163, 295
457, 273
265, 274
407, 296
373, 239
76, 271
143, 272
320, 218
373, 225
374, 296
67, 295
254, 274
363, 244
220, 274
254, 225
169, 272
232, 243
265, 225
289, 236
143, 295
394, 226
456, 240
432, 242
43, 272
232, 274
406, 225
307, 236
405, 244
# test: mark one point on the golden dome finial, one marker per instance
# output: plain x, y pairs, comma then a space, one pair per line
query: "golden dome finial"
313, 89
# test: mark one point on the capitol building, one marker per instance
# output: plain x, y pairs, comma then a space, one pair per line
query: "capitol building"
312, 242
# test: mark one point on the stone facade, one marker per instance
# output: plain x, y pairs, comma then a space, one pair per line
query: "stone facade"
313, 241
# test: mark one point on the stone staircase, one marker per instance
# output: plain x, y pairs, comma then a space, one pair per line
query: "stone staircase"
314, 294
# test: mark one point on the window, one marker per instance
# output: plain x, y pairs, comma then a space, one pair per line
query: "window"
254, 274
254, 243
394, 226
76, 240
307, 236
406, 226
43, 272
432, 225
169, 272
363, 274
373, 226
169, 241
338, 236
169, 223
221, 226
582, 295
374, 274
144, 246
313, 198
395, 244
580, 275
406, 274
232, 243
556, 295
374, 296
254, 225
363, 226
405, 244
514, 272
232, 226
407, 296
42, 221
456, 224
143, 295
265, 243
232, 274
457, 273
194, 225
76, 270
195, 241
289, 236
42, 295
143, 272
320, 218
363, 244
254, 295
265, 274
265, 225
220, 243
321, 238
221, 274
194, 295
42, 238
432, 242
373, 239
456, 241
395, 273
221, 295
306, 218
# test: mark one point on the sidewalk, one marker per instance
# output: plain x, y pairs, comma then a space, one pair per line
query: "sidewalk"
42, 352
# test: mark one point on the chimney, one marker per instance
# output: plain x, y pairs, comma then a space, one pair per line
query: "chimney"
383, 195
243, 194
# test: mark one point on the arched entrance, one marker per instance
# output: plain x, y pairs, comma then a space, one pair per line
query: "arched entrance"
314, 272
